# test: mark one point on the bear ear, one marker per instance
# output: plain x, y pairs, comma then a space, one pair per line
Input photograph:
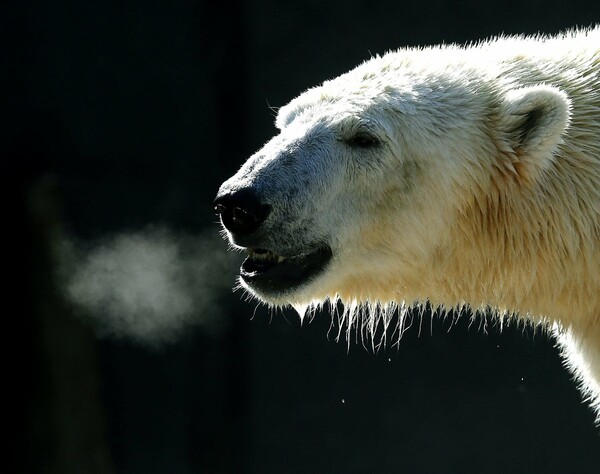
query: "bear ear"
532, 123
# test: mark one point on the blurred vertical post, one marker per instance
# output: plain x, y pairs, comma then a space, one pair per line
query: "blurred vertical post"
66, 420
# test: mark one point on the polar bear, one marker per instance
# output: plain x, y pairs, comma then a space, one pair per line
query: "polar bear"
448, 176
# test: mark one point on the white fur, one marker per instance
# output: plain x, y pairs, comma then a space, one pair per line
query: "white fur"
484, 189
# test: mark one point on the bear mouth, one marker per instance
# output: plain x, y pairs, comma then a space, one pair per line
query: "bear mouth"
269, 273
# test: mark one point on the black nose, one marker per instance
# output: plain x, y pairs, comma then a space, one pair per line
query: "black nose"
241, 211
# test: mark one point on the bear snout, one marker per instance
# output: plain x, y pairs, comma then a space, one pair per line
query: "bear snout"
241, 211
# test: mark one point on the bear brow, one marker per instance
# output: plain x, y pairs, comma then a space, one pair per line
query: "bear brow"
356, 123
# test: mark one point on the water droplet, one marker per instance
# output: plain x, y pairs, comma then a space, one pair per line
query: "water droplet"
300, 309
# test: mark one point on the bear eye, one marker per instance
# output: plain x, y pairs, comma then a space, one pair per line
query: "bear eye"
362, 140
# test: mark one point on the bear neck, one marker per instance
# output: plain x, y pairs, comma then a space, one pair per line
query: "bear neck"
529, 250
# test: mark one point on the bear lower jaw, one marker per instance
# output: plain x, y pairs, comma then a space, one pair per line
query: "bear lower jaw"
270, 274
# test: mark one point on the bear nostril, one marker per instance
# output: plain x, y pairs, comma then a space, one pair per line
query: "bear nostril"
242, 218
220, 208
241, 212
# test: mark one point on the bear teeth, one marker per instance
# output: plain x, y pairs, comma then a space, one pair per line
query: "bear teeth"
265, 255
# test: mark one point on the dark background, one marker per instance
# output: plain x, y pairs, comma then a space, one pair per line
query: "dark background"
123, 114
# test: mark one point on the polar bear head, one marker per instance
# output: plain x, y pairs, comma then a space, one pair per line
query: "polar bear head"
358, 194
